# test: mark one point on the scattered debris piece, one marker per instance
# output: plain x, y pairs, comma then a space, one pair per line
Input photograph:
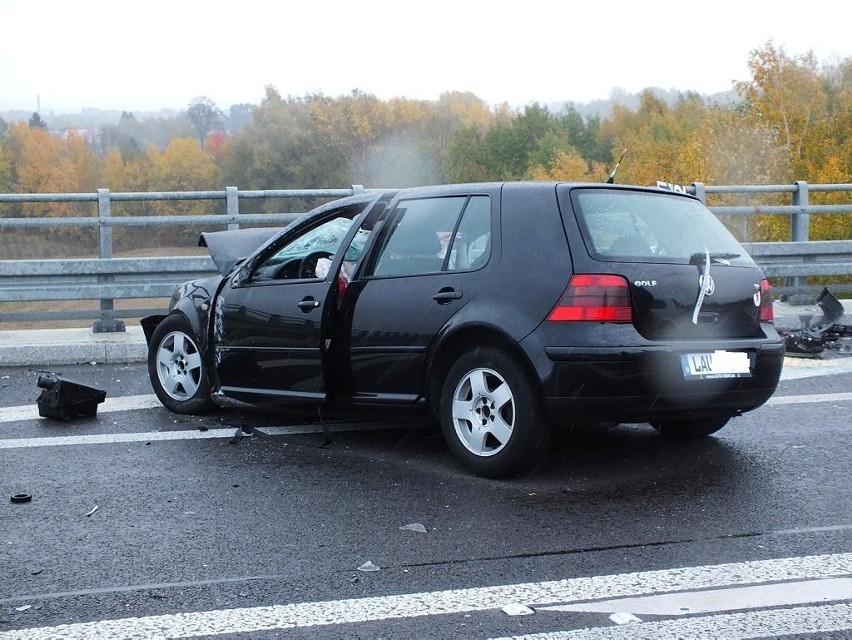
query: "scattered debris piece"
623, 617
812, 340
64, 399
203, 428
369, 566
35, 572
414, 526
517, 610
238, 435
20, 498
26, 607
95, 508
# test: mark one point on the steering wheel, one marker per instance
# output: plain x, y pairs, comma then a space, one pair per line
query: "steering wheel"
308, 265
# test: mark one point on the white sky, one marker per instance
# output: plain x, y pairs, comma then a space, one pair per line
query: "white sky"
152, 54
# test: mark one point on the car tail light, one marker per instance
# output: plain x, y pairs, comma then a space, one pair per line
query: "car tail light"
766, 312
594, 297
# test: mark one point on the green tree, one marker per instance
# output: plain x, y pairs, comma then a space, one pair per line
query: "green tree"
36, 122
205, 117
282, 149
239, 115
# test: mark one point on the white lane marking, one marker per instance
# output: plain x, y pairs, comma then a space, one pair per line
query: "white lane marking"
771, 623
807, 399
716, 600
150, 401
336, 612
120, 403
115, 438
186, 434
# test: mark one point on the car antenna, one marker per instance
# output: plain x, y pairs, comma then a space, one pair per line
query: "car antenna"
611, 178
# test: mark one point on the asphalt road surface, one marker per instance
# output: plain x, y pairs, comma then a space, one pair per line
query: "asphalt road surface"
146, 524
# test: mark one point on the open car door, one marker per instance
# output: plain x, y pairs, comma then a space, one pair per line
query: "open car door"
270, 318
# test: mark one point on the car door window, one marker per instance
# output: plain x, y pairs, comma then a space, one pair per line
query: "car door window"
419, 233
298, 259
471, 245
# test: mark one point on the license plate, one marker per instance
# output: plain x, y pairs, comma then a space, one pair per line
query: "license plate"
716, 364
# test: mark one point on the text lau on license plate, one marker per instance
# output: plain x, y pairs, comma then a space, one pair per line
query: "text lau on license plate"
716, 364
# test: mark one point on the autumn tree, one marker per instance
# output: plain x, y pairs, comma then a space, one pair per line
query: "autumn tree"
570, 166
787, 94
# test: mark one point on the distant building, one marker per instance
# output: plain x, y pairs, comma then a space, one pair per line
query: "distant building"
91, 137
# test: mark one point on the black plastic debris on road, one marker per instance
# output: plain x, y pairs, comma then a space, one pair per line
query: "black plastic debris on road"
64, 399
824, 333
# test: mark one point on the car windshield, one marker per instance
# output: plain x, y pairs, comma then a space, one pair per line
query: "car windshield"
619, 225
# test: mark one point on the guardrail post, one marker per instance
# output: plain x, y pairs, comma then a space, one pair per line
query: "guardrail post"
108, 322
358, 189
801, 219
232, 201
800, 223
700, 192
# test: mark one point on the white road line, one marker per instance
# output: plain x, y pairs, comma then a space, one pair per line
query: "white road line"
120, 403
716, 600
770, 623
807, 399
115, 438
314, 614
185, 434
150, 401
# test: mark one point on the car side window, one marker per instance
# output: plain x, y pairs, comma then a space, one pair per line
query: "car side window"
471, 245
418, 234
298, 259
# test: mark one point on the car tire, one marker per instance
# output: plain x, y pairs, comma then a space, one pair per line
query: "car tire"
691, 428
177, 368
492, 414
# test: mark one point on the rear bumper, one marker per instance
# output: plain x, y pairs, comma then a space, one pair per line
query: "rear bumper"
638, 384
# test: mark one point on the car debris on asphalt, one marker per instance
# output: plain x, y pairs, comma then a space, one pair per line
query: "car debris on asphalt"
64, 399
827, 332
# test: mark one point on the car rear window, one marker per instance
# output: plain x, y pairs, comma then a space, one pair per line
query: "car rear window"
621, 225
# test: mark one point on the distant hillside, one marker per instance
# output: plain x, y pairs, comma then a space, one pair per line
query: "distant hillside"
96, 118
603, 108
85, 119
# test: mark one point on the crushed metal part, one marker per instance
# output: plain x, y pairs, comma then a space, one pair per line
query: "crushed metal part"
824, 333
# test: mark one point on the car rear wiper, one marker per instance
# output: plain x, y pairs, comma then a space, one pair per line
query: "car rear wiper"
699, 257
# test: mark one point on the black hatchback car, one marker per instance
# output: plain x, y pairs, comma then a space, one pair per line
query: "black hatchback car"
503, 309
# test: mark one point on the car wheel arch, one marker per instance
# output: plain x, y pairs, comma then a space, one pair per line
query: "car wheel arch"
192, 315
462, 340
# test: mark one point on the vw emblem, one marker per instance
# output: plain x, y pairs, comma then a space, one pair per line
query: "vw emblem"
707, 283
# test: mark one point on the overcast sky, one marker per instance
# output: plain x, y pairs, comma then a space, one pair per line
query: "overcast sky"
152, 54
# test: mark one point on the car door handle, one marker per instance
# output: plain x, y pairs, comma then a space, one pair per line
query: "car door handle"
308, 304
447, 295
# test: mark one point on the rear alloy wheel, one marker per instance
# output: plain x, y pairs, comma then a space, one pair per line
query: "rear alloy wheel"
492, 415
176, 368
691, 428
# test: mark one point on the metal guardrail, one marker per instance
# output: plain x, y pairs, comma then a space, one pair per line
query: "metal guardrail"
107, 278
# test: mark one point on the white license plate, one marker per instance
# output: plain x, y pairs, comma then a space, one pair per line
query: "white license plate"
716, 364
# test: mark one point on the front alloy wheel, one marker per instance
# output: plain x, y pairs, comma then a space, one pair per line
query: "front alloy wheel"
176, 367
